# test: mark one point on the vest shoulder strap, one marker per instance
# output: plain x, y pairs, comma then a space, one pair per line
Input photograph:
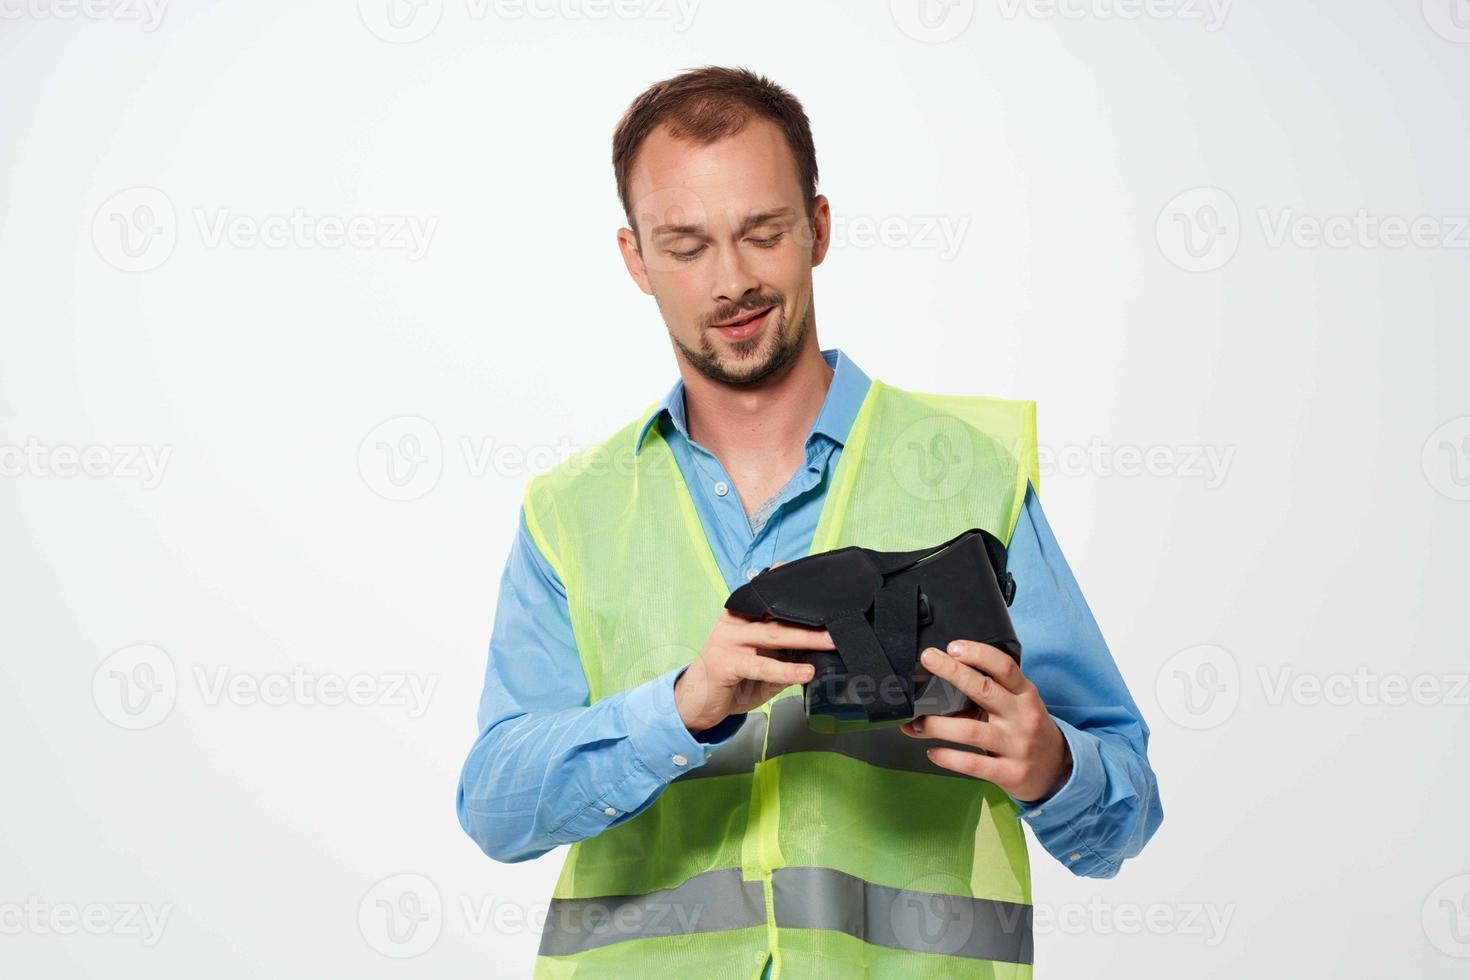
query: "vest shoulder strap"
591, 474
1010, 422
575, 492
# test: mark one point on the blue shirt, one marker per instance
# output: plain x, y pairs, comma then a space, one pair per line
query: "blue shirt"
549, 769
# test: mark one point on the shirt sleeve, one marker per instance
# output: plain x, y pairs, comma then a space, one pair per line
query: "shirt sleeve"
549, 768
1109, 807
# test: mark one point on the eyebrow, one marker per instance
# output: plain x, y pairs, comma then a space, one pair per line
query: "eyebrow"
753, 221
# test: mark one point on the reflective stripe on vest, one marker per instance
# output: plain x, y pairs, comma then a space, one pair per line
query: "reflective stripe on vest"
805, 898
834, 853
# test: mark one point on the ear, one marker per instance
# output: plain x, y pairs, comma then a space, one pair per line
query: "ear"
821, 229
633, 259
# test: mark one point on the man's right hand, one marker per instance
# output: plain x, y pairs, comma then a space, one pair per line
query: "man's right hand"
730, 676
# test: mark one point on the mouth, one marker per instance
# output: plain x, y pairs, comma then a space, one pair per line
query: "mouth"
745, 327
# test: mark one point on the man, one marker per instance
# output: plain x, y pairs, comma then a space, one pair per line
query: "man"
626, 713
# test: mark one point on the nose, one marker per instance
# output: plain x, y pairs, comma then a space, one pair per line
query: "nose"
734, 283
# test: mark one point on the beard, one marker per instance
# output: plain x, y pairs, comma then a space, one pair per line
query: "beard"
754, 359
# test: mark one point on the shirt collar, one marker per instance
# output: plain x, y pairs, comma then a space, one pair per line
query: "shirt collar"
844, 397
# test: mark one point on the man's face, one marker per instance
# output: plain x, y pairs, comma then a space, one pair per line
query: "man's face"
724, 237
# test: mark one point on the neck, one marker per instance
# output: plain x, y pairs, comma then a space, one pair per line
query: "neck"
768, 419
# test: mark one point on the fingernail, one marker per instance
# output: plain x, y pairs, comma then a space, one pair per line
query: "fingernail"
918, 724
955, 646
930, 658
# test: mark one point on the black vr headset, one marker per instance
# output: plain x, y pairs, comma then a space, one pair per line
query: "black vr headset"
883, 608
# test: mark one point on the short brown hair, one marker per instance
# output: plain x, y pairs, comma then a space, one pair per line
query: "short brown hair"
707, 104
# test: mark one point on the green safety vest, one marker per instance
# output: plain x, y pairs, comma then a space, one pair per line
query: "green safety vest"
837, 854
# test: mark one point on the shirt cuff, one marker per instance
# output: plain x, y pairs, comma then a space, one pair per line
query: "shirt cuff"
1055, 819
660, 738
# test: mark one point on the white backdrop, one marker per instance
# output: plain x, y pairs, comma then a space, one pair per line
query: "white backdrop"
295, 296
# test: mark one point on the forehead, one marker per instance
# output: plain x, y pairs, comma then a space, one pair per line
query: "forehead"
675, 181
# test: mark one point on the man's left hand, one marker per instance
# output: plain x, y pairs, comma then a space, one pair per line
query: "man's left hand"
1028, 755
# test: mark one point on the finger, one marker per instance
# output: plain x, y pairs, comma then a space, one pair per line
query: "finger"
771, 671
969, 763
978, 687
963, 731
992, 660
753, 693
771, 635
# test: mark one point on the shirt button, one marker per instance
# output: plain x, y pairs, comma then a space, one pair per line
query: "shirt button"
1037, 812
1073, 856
721, 488
613, 812
750, 573
680, 760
